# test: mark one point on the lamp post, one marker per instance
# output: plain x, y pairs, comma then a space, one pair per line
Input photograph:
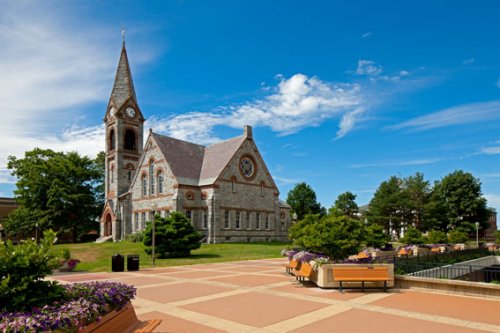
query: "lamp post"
153, 209
36, 232
477, 234
1, 232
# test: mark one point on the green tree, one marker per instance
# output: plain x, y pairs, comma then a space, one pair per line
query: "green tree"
346, 204
375, 236
497, 236
437, 237
457, 236
54, 189
413, 236
416, 194
175, 236
460, 194
435, 213
99, 165
336, 236
302, 199
23, 268
386, 207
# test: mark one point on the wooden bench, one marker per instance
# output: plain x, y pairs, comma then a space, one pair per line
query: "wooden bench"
293, 264
304, 272
361, 274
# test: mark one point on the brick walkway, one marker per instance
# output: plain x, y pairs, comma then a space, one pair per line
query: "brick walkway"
257, 296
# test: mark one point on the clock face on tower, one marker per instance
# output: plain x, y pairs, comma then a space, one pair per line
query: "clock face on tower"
130, 112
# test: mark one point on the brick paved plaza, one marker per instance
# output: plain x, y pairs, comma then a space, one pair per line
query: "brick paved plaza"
257, 296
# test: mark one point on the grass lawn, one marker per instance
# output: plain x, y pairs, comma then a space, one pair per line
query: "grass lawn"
97, 257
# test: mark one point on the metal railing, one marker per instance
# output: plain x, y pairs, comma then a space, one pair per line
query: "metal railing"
473, 273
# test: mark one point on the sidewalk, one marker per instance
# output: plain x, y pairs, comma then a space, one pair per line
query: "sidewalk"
257, 296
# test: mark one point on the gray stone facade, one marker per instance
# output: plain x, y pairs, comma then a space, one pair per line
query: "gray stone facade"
225, 189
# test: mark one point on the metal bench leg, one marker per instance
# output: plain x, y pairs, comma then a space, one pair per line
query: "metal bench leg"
385, 286
362, 285
340, 286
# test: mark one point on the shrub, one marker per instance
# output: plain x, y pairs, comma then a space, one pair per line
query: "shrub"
437, 237
457, 236
335, 236
136, 237
22, 269
413, 236
497, 236
175, 236
375, 236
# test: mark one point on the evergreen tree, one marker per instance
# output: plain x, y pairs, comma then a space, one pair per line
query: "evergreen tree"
175, 236
302, 199
346, 204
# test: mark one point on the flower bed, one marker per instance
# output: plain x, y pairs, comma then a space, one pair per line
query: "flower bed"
85, 303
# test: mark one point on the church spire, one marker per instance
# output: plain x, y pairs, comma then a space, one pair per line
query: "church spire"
123, 88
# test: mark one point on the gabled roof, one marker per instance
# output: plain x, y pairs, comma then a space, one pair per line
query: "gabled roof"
184, 158
216, 158
123, 88
194, 164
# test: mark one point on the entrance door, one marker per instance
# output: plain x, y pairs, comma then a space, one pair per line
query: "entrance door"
108, 231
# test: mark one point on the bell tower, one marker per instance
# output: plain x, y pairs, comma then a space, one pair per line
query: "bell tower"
124, 140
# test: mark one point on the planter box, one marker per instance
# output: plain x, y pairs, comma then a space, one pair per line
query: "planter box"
323, 277
420, 251
382, 254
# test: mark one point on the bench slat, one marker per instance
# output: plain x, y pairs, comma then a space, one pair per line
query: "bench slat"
361, 274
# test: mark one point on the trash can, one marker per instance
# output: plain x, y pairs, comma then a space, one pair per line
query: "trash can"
117, 263
133, 262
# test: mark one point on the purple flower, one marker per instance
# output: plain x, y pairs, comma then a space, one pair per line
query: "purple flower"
86, 302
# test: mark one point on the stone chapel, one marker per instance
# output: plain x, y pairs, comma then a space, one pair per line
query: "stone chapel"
225, 189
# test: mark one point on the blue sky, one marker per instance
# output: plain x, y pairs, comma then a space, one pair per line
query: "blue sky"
341, 94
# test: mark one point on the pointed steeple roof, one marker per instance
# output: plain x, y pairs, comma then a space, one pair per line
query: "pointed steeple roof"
123, 88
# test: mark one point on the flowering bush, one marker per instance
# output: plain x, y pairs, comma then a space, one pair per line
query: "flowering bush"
288, 253
85, 303
68, 265
318, 262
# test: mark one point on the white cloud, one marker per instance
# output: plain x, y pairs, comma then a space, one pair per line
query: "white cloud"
348, 121
368, 67
493, 200
51, 69
490, 150
469, 61
457, 115
423, 161
366, 35
285, 181
295, 103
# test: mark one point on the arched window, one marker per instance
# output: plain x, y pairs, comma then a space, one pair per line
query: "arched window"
112, 139
160, 182
262, 189
112, 174
151, 178
129, 140
144, 185
233, 184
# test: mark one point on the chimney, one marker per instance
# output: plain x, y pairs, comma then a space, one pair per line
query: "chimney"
247, 132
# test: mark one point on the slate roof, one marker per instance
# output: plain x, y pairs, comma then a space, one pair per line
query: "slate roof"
216, 157
123, 88
194, 164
